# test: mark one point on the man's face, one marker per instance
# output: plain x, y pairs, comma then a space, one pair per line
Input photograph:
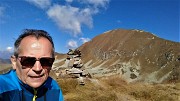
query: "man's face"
36, 75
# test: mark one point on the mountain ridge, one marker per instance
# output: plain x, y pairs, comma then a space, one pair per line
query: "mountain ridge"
134, 54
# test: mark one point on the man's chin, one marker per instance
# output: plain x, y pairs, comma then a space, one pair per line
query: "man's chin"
35, 84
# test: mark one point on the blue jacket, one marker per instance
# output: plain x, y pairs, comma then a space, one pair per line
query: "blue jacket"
12, 89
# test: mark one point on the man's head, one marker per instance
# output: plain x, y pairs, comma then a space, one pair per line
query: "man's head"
33, 57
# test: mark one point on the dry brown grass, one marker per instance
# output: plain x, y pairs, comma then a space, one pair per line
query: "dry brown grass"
5, 68
115, 89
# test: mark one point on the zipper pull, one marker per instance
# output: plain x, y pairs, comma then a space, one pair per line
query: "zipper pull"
35, 95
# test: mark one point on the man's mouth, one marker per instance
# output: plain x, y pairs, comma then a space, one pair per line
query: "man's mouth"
36, 76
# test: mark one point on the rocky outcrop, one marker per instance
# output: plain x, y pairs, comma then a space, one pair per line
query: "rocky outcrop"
135, 55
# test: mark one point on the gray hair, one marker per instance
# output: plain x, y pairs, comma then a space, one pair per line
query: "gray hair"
32, 32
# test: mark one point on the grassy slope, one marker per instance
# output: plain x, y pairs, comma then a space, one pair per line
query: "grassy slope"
115, 89
4, 68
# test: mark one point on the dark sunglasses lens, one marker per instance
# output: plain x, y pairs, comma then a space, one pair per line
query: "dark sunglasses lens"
47, 62
28, 61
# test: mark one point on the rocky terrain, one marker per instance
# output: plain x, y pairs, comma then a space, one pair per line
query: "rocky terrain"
125, 65
134, 55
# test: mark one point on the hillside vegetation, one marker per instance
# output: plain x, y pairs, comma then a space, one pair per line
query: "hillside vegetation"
5, 68
115, 89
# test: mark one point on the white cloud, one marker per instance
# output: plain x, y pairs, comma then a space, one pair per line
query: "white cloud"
96, 3
9, 49
85, 40
72, 44
40, 3
70, 18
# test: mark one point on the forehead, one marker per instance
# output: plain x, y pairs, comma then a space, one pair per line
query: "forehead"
31, 43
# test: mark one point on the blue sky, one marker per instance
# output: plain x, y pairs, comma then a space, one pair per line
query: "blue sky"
73, 22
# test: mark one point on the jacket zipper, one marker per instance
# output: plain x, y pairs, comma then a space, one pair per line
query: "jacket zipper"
35, 95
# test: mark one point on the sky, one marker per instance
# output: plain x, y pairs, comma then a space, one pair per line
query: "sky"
74, 22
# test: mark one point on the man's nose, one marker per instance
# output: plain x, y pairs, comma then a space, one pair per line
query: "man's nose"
37, 66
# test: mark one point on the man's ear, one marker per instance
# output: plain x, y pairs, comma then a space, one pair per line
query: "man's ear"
13, 61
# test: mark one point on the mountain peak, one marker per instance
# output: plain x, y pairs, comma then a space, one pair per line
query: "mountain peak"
134, 54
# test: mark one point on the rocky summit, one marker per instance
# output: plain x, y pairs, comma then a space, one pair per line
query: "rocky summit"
134, 55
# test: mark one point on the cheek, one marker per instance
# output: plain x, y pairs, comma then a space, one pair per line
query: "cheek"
22, 73
47, 71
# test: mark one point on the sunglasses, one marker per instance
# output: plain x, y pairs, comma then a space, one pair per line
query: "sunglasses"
30, 61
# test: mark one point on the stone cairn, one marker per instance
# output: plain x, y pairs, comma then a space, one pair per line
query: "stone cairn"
74, 66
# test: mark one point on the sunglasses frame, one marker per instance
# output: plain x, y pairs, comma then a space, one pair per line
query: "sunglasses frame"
28, 61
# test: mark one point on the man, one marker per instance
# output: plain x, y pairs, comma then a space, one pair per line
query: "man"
32, 61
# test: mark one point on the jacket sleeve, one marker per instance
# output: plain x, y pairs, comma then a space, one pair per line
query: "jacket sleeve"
61, 98
1, 97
